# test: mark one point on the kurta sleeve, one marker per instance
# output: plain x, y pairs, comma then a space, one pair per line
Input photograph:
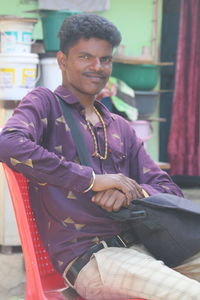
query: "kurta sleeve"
22, 147
147, 173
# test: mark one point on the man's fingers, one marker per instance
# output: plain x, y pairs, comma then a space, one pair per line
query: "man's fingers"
118, 204
130, 189
115, 201
110, 200
97, 197
126, 185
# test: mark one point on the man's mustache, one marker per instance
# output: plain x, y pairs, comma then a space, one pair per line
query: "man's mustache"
95, 74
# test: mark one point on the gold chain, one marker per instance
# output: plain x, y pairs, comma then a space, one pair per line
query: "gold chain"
96, 153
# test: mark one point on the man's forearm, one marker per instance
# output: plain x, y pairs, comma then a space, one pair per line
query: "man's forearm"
40, 165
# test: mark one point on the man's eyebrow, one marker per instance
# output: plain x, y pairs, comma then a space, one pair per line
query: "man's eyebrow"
84, 52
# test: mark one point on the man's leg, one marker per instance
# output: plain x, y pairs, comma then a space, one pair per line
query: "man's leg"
121, 273
191, 267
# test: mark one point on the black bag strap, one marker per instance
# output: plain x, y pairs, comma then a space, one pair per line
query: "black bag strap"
76, 133
82, 150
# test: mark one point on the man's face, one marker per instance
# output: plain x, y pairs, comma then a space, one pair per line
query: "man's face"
87, 66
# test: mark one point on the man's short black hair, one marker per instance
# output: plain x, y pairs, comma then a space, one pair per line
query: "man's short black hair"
87, 26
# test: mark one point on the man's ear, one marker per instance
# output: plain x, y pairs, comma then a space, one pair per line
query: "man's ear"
62, 60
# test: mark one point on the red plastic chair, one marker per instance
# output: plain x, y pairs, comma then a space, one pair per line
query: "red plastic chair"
43, 282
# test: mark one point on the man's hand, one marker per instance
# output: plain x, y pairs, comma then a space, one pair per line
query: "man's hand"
126, 185
110, 200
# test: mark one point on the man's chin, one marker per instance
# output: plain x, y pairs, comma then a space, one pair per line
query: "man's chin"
95, 89
93, 93
90, 91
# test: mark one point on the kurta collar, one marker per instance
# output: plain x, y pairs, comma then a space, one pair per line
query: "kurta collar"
66, 95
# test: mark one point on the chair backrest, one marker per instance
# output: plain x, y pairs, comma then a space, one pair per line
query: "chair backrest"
41, 278
43, 282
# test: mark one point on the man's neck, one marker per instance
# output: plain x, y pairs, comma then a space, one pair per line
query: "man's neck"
91, 115
86, 100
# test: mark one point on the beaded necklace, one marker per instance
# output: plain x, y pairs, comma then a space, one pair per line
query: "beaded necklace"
96, 153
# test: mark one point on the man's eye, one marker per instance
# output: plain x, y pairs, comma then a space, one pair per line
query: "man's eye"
85, 56
106, 59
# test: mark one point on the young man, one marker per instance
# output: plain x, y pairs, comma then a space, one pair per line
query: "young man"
70, 201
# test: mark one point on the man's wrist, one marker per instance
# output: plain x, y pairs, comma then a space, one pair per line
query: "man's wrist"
91, 183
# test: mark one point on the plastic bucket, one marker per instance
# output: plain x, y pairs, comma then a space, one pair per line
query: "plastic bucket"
18, 75
51, 23
143, 130
16, 35
146, 103
138, 77
51, 75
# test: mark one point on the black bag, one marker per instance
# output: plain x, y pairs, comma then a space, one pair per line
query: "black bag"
167, 225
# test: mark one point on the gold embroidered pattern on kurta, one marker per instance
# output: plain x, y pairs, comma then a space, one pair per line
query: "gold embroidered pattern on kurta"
69, 220
58, 148
61, 119
14, 161
145, 170
11, 129
21, 140
44, 121
71, 195
27, 162
27, 124
79, 226
116, 136
164, 187
42, 183
60, 263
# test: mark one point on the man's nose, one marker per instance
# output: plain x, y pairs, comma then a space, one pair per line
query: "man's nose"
96, 64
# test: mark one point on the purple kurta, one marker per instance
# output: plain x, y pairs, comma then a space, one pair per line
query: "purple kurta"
37, 142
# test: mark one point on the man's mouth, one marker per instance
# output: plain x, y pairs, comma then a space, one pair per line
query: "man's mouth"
95, 76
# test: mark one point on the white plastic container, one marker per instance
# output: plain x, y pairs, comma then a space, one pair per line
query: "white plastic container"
16, 34
18, 75
51, 75
143, 130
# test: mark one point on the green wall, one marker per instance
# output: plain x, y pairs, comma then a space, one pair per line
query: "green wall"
134, 19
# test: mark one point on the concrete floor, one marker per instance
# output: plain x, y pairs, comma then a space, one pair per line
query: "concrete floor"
12, 276
12, 273
192, 194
